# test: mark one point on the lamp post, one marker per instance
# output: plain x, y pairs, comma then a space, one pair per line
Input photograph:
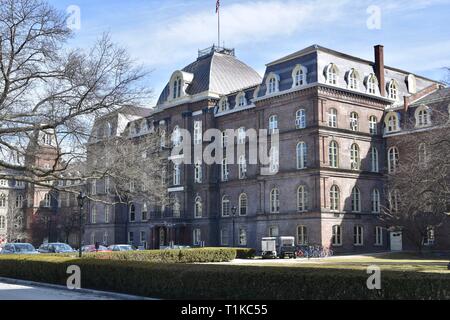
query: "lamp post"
233, 212
81, 197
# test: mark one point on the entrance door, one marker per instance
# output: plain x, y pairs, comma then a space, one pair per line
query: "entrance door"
396, 241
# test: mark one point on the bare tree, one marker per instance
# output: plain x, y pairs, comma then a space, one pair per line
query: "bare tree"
419, 189
49, 94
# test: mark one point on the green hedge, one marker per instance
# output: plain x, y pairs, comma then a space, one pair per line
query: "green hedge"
200, 255
194, 281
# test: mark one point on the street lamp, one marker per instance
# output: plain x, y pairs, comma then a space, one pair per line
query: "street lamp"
81, 198
233, 212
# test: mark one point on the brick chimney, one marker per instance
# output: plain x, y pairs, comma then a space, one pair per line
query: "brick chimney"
379, 68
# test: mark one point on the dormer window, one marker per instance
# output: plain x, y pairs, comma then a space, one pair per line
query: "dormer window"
353, 79
299, 76
241, 101
422, 115
272, 83
393, 90
332, 73
223, 104
392, 122
177, 87
372, 84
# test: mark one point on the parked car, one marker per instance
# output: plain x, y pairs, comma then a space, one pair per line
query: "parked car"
121, 247
19, 248
91, 248
55, 248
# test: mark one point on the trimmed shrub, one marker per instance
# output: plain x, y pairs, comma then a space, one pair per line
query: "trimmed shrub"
201, 255
194, 281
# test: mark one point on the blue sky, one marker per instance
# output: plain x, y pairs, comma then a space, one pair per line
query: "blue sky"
165, 35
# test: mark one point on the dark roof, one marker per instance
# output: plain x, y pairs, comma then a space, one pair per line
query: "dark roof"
218, 73
437, 96
136, 111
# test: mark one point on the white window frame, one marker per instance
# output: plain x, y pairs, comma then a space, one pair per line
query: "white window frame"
302, 235
243, 204
302, 155
374, 163
358, 235
198, 138
332, 118
333, 154
300, 119
393, 159
335, 198
375, 203
226, 206
373, 125
332, 74
336, 235
274, 200
302, 199
354, 121
356, 200
355, 157
198, 208
379, 235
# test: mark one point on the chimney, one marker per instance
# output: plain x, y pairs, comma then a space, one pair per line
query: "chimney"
379, 68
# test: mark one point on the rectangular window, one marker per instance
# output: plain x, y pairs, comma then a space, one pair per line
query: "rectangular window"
378, 236
130, 238
242, 237
302, 235
198, 132
107, 209
143, 239
197, 237
337, 236
358, 236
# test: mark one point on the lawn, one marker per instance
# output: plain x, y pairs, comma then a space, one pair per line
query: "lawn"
412, 262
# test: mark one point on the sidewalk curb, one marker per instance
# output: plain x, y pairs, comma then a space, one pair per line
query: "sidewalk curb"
113, 295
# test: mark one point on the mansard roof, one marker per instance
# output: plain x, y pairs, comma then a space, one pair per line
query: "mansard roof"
218, 73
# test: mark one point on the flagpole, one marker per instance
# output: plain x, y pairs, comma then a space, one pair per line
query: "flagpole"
218, 26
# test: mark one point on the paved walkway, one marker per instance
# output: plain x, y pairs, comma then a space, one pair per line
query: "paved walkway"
23, 290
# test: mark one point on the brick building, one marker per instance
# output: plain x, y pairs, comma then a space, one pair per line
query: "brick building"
330, 110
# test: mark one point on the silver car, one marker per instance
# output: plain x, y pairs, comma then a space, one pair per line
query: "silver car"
121, 247
19, 248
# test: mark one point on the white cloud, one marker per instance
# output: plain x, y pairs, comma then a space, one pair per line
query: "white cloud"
241, 24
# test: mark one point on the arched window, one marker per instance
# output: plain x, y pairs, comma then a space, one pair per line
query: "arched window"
272, 83
393, 90
47, 200
302, 199
354, 121
225, 206
177, 84
353, 80
394, 200
243, 204
358, 235
393, 159
242, 167
273, 124
302, 235
332, 73
176, 174
94, 215
375, 201
300, 119
355, 160
372, 84
332, 118
392, 122
299, 76
333, 154
334, 198
356, 200
373, 124
198, 210
302, 155
176, 207
275, 201
422, 115
2, 222
374, 159
336, 236
19, 201
132, 212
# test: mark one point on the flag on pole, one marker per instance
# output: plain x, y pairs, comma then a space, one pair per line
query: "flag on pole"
217, 6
